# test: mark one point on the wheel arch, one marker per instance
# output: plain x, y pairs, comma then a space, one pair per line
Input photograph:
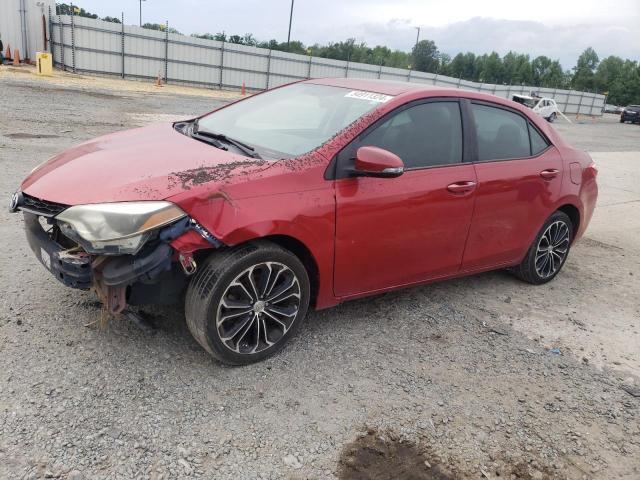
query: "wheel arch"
574, 215
300, 250
299, 242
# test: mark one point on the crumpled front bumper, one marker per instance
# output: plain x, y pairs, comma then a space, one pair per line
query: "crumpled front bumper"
72, 268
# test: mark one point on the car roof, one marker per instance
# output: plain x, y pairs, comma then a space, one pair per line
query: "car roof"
387, 87
396, 88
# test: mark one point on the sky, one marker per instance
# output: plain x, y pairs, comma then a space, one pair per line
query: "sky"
560, 29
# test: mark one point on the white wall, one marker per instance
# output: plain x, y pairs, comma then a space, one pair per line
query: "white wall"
11, 25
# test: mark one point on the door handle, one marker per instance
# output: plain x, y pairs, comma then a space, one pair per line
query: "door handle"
549, 173
461, 187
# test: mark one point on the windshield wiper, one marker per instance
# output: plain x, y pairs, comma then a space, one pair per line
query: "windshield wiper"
246, 149
211, 141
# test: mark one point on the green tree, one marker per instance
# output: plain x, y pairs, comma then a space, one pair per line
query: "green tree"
547, 72
68, 9
205, 36
444, 61
463, 65
425, 56
517, 69
492, 70
625, 88
160, 27
584, 71
608, 71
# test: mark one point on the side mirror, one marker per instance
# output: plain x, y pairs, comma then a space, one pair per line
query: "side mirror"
377, 162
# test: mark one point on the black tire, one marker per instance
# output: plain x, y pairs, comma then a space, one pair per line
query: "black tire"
552, 117
218, 274
527, 270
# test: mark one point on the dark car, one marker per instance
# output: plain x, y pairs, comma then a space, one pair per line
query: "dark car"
630, 114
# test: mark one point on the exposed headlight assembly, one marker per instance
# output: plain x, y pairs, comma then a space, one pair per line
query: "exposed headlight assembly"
116, 228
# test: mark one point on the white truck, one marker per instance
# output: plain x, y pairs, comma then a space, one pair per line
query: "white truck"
543, 106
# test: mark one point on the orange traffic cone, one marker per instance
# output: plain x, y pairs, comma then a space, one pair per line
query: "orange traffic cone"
244, 90
7, 52
16, 57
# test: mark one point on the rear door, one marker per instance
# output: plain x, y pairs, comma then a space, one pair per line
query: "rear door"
519, 178
396, 231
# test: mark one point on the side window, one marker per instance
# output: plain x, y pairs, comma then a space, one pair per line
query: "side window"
538, 142
501, 134
423, 135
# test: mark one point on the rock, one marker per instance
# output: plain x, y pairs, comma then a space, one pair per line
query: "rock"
183, 452
75, 475
291, 461
188, 470
631, 390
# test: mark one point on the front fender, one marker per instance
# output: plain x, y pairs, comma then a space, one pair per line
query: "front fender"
306, 216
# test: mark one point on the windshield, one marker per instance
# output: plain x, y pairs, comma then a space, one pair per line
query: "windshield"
290, 121
526, 101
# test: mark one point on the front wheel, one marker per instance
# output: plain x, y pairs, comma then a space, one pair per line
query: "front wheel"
552, 117
245, 303
548, 252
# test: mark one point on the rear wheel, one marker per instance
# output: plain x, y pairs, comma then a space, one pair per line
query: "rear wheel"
245, 303
548, 252
552, 117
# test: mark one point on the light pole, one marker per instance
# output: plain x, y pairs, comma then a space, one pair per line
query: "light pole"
415, 49
141, 11
290, 18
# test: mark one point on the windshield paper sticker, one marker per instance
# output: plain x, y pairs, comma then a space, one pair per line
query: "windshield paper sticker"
369, 96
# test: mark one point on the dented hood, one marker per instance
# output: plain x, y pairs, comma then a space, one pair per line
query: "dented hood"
150, 163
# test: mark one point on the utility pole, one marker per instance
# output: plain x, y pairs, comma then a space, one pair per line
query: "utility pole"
141, 11
417, 36
290, 18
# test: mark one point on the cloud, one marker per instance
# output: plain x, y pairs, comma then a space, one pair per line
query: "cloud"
484, 35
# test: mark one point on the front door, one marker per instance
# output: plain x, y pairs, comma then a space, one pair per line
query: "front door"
397, 231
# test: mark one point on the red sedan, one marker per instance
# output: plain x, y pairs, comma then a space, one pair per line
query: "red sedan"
309, 194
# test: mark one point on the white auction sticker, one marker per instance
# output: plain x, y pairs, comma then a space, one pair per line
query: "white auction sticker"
370, 96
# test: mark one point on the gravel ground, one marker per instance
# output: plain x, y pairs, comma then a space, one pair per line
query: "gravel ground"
451, 380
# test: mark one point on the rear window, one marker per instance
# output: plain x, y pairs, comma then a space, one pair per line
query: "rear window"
538, 142
501, 134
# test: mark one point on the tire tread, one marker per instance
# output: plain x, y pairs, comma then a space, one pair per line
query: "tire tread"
207, 281
525, 271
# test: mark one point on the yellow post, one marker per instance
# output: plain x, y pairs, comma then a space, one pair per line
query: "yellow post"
44, 63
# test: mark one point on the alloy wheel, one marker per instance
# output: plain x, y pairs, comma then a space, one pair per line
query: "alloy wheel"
258, 308
552, 249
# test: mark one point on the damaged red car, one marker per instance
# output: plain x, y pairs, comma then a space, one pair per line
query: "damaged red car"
306, 196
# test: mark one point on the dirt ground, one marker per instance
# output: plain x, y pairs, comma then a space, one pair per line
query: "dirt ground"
481, 377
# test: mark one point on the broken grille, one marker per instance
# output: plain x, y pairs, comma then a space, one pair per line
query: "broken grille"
41, 207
